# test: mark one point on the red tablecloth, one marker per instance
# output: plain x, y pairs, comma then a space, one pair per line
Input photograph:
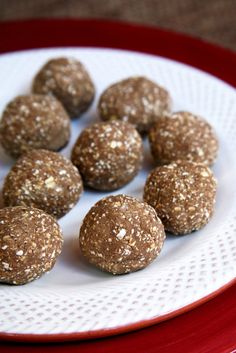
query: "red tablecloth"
212, 326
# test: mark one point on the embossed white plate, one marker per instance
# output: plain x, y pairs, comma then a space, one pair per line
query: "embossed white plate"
77, 299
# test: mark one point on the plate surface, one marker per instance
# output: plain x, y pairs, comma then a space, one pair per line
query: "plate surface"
77, 298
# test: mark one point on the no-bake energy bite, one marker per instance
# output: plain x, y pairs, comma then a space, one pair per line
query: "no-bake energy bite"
121, 234
183, 136
30, 242
108, 154
183, 195
67, 80
45, 180
137, 100
34, 121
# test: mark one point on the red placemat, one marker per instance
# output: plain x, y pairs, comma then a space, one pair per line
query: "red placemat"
61, 32
211, 327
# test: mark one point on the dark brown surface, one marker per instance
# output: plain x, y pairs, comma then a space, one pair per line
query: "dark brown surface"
213, 20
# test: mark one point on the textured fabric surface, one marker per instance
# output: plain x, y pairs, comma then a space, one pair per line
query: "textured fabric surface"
212, 20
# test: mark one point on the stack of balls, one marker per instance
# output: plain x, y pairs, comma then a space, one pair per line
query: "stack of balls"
120, 234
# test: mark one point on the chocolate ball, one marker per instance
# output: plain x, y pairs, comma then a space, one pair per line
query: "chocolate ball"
30, 242
45, 180
183, 195
137, 100
68, 80
121, 234
108, 155
183, 136
34, 121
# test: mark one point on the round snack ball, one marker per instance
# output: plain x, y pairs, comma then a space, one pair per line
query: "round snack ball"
68, 80
183, 136
121, 234
137, 100
45, 180
30, 242
108, 154
183, 195
34, 121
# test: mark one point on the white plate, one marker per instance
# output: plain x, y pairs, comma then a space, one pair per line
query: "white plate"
77, 298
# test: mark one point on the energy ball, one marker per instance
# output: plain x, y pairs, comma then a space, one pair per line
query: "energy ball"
108, 154
67, 80
121, 234
34, 121
137, 100
30, 242
45, 180
183, 136
183, 195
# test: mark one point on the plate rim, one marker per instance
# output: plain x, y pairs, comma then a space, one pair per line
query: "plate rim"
123, 328
101, 333
121, 50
